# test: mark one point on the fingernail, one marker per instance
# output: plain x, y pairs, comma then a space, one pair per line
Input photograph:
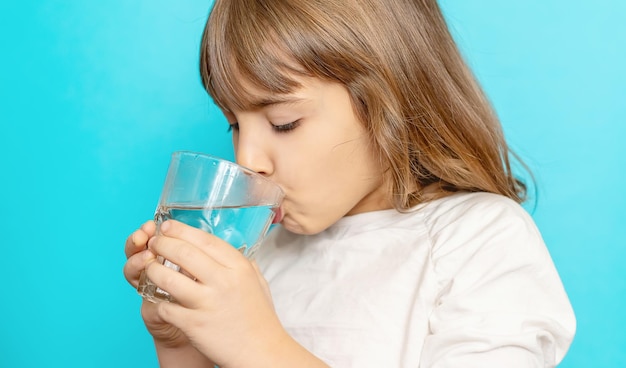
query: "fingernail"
165, 225
151, 242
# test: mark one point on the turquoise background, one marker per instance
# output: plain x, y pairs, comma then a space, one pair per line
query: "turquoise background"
94, 96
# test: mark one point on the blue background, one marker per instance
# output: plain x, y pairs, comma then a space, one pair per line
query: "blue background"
94, 96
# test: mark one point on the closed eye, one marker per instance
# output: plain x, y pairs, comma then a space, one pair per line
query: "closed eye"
233, 127
284, 128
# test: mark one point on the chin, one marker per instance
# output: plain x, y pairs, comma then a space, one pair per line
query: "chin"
298, 227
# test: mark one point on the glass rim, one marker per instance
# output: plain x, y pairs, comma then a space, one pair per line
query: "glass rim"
231, 164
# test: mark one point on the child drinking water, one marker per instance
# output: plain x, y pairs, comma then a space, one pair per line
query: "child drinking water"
401, 240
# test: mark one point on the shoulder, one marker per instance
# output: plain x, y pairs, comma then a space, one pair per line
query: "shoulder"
477, 207
477, 214
470, 226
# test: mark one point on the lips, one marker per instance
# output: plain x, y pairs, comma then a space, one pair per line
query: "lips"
278, 215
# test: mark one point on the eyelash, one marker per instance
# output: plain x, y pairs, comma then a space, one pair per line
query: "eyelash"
283, 128
232, 127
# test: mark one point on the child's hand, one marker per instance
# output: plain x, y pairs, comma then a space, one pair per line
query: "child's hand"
226, 312
137, 253
138, 256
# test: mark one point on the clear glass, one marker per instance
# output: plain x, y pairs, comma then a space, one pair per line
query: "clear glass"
219, 197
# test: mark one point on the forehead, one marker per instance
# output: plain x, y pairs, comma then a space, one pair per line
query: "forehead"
249, 86
256, 98
242, 75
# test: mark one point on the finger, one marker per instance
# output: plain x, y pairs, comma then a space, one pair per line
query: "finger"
222, 252
149, 313
174, 314
133, 243
159, 328
183, 289
149, 227
137, 241
135, 265
190, 258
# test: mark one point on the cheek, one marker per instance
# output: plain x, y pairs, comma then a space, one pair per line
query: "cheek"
300, 158
315, 178
321, 162
298, 171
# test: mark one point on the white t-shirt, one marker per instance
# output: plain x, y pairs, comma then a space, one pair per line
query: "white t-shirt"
463, 281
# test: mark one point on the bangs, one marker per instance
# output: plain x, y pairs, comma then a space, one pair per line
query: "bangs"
242, 54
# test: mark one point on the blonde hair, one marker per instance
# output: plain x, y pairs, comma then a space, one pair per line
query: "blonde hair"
426, 115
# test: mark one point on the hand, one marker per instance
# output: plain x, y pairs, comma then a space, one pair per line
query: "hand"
226, 312
138, 256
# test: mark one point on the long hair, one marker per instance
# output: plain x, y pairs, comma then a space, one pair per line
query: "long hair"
427, 117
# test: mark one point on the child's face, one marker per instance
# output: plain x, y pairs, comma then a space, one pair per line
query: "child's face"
311, 144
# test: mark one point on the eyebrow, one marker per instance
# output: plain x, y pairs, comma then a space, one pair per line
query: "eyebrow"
275, 100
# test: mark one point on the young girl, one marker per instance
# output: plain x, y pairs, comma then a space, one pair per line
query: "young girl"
401, 240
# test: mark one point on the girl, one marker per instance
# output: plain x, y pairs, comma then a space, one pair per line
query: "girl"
401, 240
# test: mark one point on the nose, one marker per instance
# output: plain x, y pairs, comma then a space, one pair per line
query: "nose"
252, 151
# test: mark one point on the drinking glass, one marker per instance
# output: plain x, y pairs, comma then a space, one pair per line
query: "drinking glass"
217, 196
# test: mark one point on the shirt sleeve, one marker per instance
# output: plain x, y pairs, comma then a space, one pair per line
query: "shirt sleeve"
500, 300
